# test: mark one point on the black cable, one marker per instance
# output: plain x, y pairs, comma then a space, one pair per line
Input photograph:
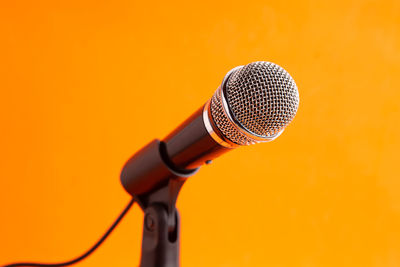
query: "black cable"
87, 253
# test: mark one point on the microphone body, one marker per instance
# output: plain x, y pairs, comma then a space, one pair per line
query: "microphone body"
180, 154
190, 145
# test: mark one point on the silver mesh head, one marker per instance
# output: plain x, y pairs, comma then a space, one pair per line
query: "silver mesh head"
254, 103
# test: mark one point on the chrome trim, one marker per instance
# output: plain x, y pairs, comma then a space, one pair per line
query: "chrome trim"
210, 129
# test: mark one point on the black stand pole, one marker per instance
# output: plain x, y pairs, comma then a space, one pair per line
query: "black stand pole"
159, 246
161, 227
154, 183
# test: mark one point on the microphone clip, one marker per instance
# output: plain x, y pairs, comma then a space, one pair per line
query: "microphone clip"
154, 183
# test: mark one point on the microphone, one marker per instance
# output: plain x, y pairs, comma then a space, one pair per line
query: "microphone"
253, 104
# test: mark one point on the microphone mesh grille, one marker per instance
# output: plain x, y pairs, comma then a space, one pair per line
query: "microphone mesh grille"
262, 99
224, 124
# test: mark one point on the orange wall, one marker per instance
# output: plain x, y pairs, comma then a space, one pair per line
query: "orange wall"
84, 84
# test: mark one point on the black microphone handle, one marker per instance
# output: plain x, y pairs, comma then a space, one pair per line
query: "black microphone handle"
190, 145
180, 154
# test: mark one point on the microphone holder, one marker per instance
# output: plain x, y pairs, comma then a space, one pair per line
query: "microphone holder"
155, 184
161, 226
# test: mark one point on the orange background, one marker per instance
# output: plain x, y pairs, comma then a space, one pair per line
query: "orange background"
84, 84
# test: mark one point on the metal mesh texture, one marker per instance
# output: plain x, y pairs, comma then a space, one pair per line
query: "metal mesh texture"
262, 99
225, 125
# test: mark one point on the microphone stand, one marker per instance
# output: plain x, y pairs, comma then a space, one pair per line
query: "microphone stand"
161, 226
155, 186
